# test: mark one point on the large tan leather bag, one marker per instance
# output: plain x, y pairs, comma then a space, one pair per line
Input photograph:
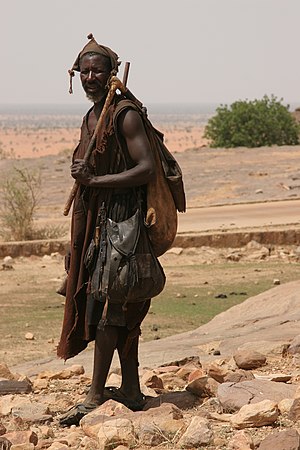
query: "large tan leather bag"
165, 193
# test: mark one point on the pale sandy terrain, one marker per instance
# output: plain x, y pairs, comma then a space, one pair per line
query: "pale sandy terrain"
31, 143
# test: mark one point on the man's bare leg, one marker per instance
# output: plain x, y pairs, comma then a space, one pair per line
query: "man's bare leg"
128, 354
105, 345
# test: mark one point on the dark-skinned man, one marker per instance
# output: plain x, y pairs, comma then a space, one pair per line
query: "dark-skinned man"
120, 165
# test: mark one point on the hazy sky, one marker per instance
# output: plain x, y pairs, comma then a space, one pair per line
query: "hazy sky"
180, 50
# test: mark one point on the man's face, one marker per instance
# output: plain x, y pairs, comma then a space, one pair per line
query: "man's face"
94, 73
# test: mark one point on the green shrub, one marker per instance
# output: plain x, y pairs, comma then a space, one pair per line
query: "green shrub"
253, 124
19, 202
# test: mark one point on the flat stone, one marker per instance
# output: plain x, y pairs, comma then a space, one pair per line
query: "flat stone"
255, 415
5, 372
181, 399
283, 440
32, 412
241, 440
197, 434
249, 359
22, 437
92, 422
233, 396
116, 431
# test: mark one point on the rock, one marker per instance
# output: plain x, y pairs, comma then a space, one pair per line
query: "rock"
195, 374
218, 371
276, 281
279, 377
58, 446
281, 440
234, 257
74, 439
15, 387
23, 447
64, 374
8, 260
253, 245
241, 441
2, 429
32, 412
171, 382
174, 250
294, 347
181, 399
92, 422
256, 415
249, 359
294, 413
285, 405
277, 348
47, 432
89, 444
7, 267
40, 383
7, 402
203, 386
197, 434
22, 437
29, 336
166, 369
114, 380
233, 396
185, 371
238, 375
153, 426
116, 431
259, 191
5, 372
152, 380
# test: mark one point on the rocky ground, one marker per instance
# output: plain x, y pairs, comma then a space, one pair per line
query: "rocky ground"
239, 400
246, 401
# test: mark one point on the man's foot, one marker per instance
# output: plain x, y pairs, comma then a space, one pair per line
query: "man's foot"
135, 404
75, 414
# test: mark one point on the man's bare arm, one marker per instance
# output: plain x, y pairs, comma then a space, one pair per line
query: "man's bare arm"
132, 129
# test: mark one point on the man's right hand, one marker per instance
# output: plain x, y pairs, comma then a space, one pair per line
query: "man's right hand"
82, 171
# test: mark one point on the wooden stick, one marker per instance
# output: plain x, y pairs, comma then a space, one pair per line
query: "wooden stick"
115, 84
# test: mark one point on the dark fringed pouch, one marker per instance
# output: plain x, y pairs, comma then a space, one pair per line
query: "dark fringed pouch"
124, 269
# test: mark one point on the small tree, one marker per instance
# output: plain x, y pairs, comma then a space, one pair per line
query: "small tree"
19, 202
253, 124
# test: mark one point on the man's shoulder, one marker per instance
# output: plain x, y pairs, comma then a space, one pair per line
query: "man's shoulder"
123, 104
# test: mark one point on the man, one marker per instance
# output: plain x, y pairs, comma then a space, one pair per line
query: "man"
120, 166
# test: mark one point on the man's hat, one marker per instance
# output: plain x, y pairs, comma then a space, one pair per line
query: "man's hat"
94, 47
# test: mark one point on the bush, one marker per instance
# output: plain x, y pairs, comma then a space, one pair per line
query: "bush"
253, 124
20, 199
19, 202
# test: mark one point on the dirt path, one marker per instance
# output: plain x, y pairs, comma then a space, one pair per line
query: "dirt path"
230, 217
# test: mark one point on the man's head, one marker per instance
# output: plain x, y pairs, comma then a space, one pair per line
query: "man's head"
95, 62
95, 70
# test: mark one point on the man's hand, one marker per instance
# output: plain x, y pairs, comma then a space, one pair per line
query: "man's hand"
82, 171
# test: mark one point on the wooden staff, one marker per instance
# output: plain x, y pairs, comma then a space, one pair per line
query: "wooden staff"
114, 84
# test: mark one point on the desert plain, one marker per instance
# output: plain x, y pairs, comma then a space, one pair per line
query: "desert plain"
199, 279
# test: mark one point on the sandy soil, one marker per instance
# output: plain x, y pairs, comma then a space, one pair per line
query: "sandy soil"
32, 142
212, 177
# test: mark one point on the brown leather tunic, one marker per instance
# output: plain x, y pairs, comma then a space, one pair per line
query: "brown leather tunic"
108, 157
